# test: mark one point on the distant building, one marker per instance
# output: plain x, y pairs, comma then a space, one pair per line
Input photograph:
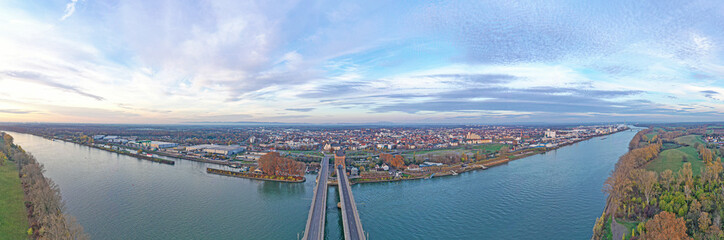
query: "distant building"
224, 150
430, 164
109, 137
472, 136
158, 144
251, 156
550, 134
413, 168
217, 149
385, 167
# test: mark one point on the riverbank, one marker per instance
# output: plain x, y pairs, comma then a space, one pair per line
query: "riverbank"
153, 159
157, 197
160, 153
139, 156
41, 198
288, 179
13, 217
481, 165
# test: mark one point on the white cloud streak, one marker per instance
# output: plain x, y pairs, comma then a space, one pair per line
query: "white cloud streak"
69, 9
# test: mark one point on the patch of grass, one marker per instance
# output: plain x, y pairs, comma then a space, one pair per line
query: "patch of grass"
13, 217
689, 140
673, 159
629, 226
494, 147
667, 146
488, 147
651, 135
608, 233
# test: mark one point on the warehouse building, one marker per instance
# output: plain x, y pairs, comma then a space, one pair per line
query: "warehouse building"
217, 149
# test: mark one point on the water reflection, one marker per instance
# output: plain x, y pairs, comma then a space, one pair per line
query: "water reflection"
280, 189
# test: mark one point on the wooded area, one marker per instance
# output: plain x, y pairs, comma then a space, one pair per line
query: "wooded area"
669, 204
274, 164
42, 197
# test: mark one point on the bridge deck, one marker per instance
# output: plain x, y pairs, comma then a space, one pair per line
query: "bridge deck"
350, 217
315, 221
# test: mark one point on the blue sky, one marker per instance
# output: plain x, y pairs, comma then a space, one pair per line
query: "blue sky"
482, 62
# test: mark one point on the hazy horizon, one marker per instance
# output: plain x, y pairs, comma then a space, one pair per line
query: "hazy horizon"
327, 62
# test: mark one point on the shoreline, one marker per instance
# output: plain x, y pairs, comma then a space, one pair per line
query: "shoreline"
485, 164
252, 176
480, 165
152, 159
147, 158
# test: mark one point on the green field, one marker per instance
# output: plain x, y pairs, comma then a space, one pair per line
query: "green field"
13, 218
689, 140
672, 159
488, 147
474, 148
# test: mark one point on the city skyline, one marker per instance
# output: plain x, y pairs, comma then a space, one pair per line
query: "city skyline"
343, 62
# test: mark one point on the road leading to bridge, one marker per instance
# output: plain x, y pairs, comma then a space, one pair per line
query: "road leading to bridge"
350, 218
317, 212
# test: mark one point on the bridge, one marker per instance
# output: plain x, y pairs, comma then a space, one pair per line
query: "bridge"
317, 211
350, 217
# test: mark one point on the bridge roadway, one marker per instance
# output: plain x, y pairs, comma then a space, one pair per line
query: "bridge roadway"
317, 212
350, 217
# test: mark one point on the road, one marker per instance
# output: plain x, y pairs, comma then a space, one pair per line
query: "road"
350, 218
317, 212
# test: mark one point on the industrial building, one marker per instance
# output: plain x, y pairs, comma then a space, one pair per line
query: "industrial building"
217, 149
158, 144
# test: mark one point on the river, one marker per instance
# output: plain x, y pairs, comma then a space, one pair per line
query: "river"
556, 195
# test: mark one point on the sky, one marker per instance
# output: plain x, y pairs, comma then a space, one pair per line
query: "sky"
468, 62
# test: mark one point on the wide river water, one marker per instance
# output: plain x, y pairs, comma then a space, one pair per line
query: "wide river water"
556, 195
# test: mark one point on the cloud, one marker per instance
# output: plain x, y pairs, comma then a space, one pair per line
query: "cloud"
710, 94
126, 106
333, 90
549, 99
44, 80
15, 111
405, 60
535, 31
300, 109
69, 9
475, 78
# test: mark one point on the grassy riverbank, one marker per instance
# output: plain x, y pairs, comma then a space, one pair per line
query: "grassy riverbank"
13, 217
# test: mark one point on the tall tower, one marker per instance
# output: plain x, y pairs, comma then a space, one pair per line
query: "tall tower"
339, 158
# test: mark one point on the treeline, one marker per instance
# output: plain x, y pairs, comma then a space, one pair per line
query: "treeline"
669, 205
634, 143
706, 154
42, 197
274, 164
670, 136
625, 174
396, 161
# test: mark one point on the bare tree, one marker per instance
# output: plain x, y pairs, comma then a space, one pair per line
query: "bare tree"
645, 180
